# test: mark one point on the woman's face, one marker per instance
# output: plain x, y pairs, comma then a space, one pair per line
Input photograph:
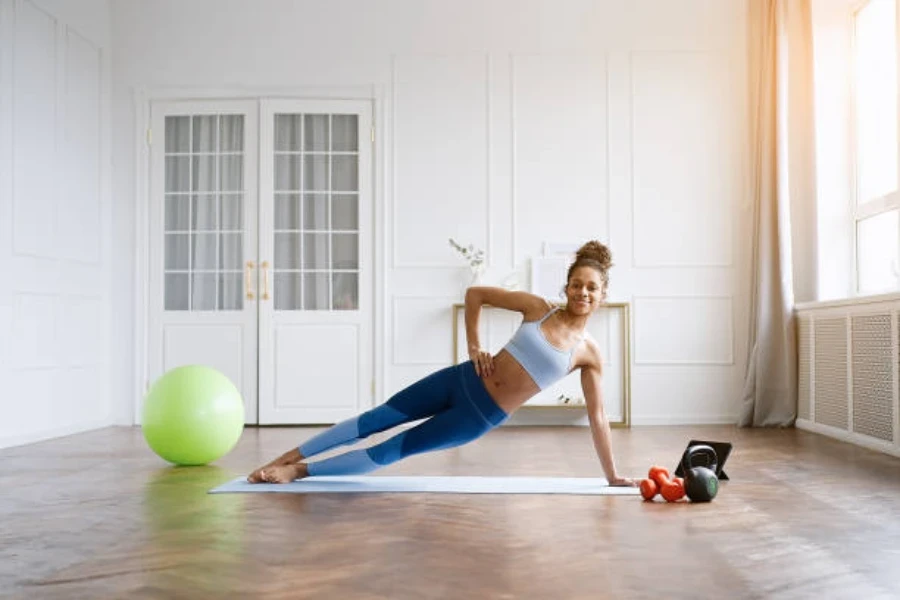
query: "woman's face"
584, 292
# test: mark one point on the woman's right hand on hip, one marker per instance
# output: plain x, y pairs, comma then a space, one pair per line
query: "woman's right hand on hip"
483, 361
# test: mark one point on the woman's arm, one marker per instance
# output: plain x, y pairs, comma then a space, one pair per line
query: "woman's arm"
527, 304
590, 384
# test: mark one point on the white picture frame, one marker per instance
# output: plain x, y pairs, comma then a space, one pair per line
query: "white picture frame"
548, 272
548, 276
557, 248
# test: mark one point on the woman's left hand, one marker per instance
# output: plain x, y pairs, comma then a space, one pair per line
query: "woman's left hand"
624, 482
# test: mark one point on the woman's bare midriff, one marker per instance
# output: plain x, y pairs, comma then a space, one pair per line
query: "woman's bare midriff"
509, 385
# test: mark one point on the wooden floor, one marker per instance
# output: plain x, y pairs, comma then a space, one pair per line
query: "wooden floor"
97, 515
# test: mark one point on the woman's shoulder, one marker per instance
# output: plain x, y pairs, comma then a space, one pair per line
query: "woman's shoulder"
539, 307
591, 354
524, 302
591, 342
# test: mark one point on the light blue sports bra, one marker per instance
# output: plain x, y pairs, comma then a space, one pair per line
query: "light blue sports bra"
544, 362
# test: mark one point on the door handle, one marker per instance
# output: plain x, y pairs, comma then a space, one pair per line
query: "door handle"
265, 269
248, 283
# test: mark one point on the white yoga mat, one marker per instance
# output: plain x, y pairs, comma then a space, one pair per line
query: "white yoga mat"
585, 486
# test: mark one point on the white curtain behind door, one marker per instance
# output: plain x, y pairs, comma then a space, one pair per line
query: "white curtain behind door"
316, 212
203, 212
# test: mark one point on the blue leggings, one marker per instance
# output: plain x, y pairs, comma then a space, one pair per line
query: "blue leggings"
454, 401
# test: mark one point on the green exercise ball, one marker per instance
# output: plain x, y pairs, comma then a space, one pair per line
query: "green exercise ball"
193, 415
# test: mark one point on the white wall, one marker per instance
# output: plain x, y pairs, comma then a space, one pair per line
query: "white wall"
55, 218
505, 124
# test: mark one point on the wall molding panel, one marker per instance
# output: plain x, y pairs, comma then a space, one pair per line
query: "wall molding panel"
684, 330
681, 118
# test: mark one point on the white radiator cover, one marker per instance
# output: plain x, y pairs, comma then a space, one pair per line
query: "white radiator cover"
849, 370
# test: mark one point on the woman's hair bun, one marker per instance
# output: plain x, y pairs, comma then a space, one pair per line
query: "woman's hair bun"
595, 251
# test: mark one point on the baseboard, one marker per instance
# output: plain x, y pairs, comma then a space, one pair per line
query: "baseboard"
662, 420
49, 434
849, 437
574, 417
549, 416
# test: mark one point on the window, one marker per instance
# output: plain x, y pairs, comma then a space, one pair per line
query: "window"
875, 108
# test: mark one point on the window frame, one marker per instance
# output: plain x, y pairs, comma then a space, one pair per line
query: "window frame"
860, 211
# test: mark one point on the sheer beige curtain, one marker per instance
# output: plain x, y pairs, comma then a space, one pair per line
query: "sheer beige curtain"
782, 175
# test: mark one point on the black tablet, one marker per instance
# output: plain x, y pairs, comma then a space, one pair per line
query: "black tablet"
723, 450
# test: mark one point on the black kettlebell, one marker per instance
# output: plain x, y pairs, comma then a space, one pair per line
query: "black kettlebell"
700, 464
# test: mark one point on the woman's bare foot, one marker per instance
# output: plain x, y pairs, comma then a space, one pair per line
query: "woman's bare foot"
290, 457
284, 473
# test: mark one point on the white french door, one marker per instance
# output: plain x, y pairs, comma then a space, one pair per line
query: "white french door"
315, 333
261, 267
203, 239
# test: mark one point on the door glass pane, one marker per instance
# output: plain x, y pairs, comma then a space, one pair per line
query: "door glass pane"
878, 253
230, 291
287, 212
287, 172
231, 251
287, 291
231, 173
287, 251
316, 133
203, 176
345, 212
316, 291
178, 212
315, 212
316, 235
178, 174
287, 133
177, 291
315, 173
344, 174
203, 212
346, 291
231, 133
204, 129
344, 133
204, 255
315, 251
875, 90
345, 250
177, 251
231, 212
178, 134
203, 266
204, 291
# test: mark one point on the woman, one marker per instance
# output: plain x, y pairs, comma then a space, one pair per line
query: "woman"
463, 402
